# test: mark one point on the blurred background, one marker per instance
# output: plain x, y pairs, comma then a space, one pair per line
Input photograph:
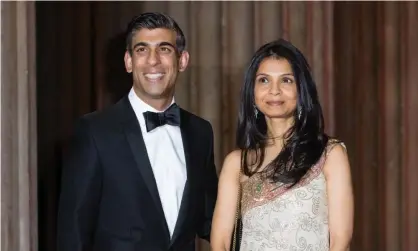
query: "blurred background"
364, 58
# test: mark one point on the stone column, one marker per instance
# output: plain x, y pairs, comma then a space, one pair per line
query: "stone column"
18, 127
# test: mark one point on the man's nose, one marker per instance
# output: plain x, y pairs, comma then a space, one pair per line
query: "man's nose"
153, 58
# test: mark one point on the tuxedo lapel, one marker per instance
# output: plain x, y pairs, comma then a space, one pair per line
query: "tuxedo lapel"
137, 145
187, 135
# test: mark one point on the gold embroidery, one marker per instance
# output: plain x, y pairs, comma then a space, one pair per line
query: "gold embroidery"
256, 191
280, 219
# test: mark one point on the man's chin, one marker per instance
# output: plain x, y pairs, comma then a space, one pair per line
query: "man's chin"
158, 94
155, 88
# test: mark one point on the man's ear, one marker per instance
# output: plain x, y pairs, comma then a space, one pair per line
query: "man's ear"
128, 61
183, 61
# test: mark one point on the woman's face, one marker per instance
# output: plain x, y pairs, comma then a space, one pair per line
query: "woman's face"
275, 88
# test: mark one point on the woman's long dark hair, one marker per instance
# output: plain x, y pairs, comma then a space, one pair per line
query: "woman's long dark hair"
305, 140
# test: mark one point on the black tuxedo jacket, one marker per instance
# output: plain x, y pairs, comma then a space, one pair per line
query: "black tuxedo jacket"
109, 199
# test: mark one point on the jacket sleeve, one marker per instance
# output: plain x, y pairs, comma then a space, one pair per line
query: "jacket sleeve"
80, 193
210, 190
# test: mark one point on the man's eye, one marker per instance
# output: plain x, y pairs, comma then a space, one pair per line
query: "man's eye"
165, 49
140, 49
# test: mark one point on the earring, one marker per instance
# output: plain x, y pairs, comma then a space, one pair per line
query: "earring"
255, 111
299, 113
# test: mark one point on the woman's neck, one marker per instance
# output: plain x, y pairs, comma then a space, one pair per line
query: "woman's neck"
277, 129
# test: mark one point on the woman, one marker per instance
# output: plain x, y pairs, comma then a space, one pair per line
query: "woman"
294, 180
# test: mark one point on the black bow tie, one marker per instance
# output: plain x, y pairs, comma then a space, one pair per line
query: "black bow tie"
171, 116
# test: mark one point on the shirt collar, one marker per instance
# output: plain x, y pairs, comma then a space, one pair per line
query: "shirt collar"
140, 106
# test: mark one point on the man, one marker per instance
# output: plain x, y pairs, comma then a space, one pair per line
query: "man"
140, 175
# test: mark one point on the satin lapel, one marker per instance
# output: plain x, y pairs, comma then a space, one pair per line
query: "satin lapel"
186, 134
139, 151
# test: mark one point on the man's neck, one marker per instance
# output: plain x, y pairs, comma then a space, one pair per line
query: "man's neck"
159, 104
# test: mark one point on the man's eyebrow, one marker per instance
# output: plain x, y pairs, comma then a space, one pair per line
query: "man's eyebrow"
158, 44
167, 44
140, 44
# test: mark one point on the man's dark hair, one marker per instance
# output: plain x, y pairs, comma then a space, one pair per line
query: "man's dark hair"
154, 20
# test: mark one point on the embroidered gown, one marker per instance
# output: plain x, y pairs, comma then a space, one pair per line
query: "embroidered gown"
287, 220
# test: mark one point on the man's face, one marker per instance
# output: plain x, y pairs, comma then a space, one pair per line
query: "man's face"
155, 63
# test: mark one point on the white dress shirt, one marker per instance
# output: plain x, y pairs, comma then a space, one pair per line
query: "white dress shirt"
166, 154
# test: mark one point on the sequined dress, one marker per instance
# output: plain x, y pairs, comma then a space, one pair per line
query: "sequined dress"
276, 218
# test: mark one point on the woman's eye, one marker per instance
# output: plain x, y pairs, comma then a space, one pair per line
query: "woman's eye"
263, 80
287, 80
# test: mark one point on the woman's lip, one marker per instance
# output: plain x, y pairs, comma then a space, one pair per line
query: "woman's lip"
275, 103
